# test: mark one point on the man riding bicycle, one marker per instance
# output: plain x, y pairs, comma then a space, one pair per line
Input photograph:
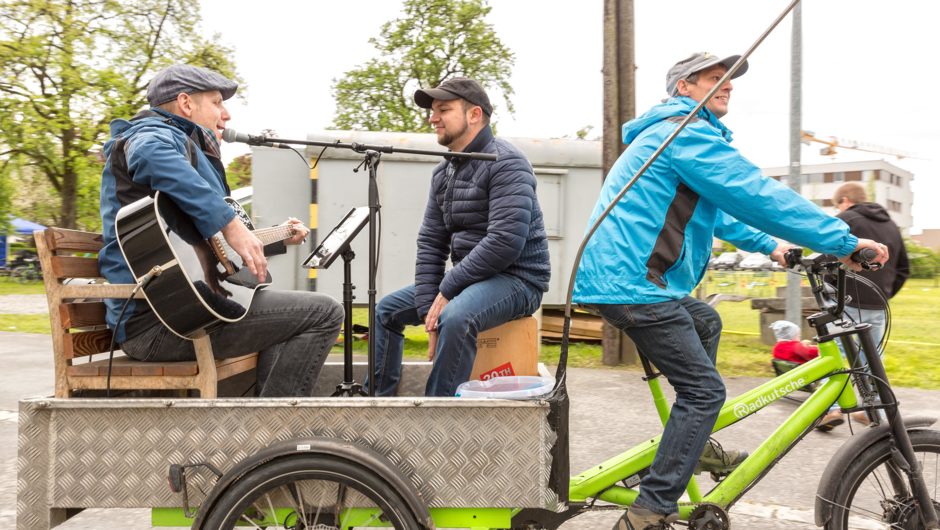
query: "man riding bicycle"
644, 260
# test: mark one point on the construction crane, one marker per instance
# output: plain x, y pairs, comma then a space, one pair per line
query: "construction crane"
807, 137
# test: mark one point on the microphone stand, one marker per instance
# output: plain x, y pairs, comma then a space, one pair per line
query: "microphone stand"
372, 157
349, 386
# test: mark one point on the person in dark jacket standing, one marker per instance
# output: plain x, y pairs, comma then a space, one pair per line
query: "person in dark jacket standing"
484, 216
872, 221
173, 148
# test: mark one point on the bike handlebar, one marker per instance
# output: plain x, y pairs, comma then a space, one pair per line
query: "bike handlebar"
865, 257
826, 264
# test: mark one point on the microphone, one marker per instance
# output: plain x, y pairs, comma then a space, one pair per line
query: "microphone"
232, 136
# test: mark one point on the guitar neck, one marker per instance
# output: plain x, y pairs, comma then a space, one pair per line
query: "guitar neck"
274, 234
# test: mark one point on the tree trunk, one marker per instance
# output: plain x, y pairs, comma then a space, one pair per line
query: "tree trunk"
69, 180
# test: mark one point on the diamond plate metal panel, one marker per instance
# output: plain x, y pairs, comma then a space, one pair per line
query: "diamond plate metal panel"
115, 453
32, 463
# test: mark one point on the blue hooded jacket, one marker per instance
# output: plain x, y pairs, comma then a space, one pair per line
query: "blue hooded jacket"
655, 244
158, 151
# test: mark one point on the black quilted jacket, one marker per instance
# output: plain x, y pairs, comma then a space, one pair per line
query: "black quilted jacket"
486, 217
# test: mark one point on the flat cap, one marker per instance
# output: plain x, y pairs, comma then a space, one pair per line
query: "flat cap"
184, 78
696, 63
453, 88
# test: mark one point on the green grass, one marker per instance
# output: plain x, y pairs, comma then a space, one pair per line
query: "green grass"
911, 361
913, 316
25, 323
8, 286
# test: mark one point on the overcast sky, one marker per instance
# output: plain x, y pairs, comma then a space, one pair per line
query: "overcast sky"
871, 69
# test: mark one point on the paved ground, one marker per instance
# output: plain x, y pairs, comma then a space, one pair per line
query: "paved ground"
611, 410
21, 304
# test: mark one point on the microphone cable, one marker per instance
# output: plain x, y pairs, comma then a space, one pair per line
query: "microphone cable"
143, 282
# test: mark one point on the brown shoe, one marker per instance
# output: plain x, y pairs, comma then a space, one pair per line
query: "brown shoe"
639, 518
830, 420
861, 417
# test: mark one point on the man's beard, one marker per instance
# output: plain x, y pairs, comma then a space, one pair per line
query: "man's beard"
449, 138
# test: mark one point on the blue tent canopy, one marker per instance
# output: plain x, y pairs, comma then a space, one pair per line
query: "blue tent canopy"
24, 227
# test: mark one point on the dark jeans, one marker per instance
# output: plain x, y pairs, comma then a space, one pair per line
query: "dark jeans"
479, 307
292, 331
680, 337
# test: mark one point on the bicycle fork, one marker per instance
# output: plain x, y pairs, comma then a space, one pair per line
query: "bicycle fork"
902, 440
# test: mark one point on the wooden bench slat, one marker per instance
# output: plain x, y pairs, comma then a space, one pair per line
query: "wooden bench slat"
235, 365
63, 239
82, 315
97, 291
124, 366
86, 343
74, 267
146, 368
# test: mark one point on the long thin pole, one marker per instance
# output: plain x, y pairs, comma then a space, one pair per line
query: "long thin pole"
794, 307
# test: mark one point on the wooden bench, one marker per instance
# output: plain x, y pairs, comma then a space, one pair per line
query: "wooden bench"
74, 290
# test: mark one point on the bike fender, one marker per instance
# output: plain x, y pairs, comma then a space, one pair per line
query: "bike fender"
356, 453
831, 477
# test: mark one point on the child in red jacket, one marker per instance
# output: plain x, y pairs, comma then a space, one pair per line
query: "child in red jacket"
789, 347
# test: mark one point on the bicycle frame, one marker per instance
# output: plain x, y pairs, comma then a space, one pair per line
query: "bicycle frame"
601, 482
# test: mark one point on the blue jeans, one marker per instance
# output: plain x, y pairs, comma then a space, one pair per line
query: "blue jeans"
477, 308
680, 337
292, 331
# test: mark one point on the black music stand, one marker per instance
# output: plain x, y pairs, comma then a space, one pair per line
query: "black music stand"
337, 243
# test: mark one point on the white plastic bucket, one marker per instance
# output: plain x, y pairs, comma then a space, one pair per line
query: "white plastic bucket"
508, 387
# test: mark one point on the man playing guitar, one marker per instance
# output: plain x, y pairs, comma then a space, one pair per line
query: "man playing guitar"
171, 151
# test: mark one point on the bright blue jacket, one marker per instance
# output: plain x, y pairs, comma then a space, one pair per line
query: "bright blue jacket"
655, 244
158, 151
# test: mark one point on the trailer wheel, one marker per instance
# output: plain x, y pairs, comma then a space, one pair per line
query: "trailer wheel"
310, 492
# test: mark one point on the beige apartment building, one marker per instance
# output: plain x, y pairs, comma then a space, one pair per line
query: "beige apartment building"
887, 184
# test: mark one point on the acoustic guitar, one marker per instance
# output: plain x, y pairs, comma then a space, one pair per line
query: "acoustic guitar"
202, 282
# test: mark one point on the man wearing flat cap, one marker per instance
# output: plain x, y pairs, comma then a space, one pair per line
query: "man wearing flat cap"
173, 148
485, 217
646, 257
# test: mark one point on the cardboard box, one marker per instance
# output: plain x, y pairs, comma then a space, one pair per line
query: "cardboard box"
510, 349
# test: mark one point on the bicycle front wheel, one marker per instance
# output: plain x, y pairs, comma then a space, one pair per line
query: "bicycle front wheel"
875, 493
311, 492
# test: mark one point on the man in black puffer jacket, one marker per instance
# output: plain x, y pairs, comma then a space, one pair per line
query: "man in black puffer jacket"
485, 216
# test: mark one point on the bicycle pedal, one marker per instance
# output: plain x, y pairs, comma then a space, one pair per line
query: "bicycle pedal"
718, 477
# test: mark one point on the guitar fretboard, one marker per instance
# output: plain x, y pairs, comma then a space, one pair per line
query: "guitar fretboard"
274, 234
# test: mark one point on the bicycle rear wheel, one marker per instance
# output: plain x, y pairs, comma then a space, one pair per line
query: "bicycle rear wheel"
875, 493
311, 492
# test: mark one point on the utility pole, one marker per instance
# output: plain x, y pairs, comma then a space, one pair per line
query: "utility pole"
619, 108
794, 311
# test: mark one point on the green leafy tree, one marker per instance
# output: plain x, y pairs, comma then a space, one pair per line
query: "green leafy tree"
432, 41
238, 172
925, 263
68, 67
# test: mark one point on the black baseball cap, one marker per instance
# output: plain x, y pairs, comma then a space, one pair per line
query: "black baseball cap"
453, 88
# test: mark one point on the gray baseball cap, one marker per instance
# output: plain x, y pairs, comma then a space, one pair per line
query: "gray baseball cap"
696, 63
184, 78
